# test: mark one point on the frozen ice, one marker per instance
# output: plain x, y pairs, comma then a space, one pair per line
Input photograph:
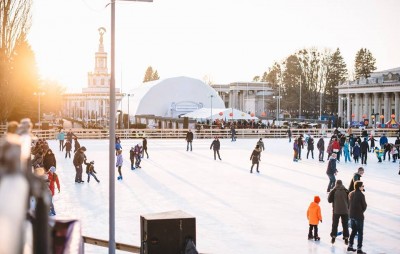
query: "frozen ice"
236, 212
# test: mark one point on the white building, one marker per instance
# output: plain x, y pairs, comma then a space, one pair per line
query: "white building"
93, 104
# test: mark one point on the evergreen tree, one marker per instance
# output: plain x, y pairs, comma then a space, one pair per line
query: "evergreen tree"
364, 63
150, 75
155, 76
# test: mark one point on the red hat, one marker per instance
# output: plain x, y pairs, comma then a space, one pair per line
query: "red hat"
317, 199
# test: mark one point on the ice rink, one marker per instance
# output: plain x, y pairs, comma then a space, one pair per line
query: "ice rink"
236, 212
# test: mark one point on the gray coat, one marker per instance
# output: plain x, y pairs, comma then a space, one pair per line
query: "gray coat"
339, 197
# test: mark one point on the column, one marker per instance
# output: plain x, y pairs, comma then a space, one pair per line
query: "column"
366, 106
376, 103
386, 107
357, 107
396, 106
340, 106
348, 107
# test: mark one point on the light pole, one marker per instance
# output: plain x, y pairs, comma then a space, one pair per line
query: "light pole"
111, 243
211, 122
129, 118
39, 94
277, 106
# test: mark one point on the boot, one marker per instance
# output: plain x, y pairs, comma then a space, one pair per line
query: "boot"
317, 238
359, 251
333, 240
346, 240
350, 248
310, 237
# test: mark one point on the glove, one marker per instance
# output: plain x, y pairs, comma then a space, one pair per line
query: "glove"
321, 221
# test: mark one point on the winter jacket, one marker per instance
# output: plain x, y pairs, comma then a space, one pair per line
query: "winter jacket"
132, 154
189, 136
329, 149
321, 144
261, 144
356, 177
331, 169
61, 136
215, 145
383, 140
79, 158
358, 205
310, 143
335, 145
53, 178
77, 145
356, 151
314, 214
339, 197
120, 160
49, 160
372, 141
346, 148
144, 143
255, 155
89, 168
364, 147
67, 146
118, 146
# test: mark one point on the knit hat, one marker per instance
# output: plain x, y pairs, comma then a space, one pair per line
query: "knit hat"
317, 199
53, 169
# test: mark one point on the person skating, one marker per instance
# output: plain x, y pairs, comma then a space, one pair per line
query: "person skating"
300, 146
356, 152
61, 138
52, 181
90, 171
216, 145
118, 145
233, 133
364, 148
119, 163
189, 140
70, 134
310, 146
77, 145
49, 160
358, 205
79, 158
255, 158
289, 133
356, 177
321, 148
295, 150
138, 155
331, 171
336, 148
260, 142
132, 157
372, 142
379, 154
346, 151
68, 148
314, 217
145, 148
340, 206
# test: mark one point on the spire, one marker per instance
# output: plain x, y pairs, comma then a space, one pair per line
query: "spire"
101, 30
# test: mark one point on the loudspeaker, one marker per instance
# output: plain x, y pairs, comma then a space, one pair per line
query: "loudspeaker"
186, 122
167, 232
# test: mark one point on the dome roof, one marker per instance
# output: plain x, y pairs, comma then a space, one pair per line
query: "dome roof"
172, 97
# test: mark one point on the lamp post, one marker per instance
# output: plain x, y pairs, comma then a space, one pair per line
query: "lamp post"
111, 243
129, 118
39, 94
278, 110
211, 121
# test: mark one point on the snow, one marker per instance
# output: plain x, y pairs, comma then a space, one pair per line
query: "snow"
235, 211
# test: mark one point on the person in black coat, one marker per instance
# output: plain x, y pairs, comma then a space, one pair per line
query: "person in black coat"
49, 160
331, 171
300, 145
310, 146
255, 158
364, 148
145, 148
216, 145
340, 206
358, 205
79, 158
68, 148
321, 148
189, 139
356, 177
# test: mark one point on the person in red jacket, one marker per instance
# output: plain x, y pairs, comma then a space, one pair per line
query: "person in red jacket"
52, 178
314, 217
336, 148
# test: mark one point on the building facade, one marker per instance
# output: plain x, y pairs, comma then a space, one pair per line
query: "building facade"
93, 104
376, 98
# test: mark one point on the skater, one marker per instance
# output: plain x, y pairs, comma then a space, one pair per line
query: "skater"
119, 163
261, 144
61, 138
255, 158
90, 171
49, 160
70, 134
358, 205
329, 149
68, 148
79, 158
356, 152
336, 148
340, 205
295, 150
52, 180
331, 171
356, 177
189, 140
394, 153
372, 142
118, 145
379, 154
300, 146
138, 154
383, 141
289, 133
215, 145
346, 151
132, 157
233, 133
310, 146
321, 148
364, 148
145, 148
77, 145
314, 217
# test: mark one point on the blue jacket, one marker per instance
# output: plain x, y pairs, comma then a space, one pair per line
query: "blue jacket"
61, 136
383, 140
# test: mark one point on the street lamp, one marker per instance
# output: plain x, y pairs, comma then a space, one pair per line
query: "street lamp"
111, 243
39, 94
211, 97
277, 106
129, 118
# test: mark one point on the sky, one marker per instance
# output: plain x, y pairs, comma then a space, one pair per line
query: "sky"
236, 212
225, 40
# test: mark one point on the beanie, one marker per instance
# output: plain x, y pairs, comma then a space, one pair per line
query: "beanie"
317, 199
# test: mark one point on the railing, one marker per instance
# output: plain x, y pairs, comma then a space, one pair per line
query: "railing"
200, 134
104, 243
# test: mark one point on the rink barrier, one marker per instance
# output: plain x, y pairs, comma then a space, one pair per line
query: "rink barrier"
104, 243
200, 134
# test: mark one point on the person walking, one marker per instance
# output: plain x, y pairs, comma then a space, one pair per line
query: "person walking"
189, 140
357, 207
61, 138
310, 146
356, 177
119, 163
364, 148
260, 143
90, 171
321, 148
216, 145
79, 158
331, 171
68, 148
255, 158
340, 206
314, 217
145, 147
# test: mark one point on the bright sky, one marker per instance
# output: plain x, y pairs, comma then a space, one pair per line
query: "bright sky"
226, 40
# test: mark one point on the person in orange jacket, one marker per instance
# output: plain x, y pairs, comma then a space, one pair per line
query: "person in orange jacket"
314, 217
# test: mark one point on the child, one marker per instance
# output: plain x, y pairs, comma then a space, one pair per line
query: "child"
68, 148
138, 155
394, 153
346, 151
295, 150
90, 171
314, 217
119, 163
379, 153
356, 152
52, 178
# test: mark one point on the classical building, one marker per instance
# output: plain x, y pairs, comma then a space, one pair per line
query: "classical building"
375, 97
250, 97
93, 104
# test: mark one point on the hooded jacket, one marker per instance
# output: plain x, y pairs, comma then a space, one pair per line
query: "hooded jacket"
314, 214
339, 199
255, 155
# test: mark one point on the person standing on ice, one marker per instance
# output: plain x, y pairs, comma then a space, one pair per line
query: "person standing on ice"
331, 171
340, 206
314, 217
119, 163
68, 148
216, 145
189, 139
261, 144
145, 147
321, 149
358, 205
255, 158
132, 157
356, 177
90, 171
79, 158
310, 146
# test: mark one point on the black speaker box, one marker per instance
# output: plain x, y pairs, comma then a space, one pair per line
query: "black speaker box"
167, 232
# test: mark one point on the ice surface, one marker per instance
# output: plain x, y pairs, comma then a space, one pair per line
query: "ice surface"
236, 212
